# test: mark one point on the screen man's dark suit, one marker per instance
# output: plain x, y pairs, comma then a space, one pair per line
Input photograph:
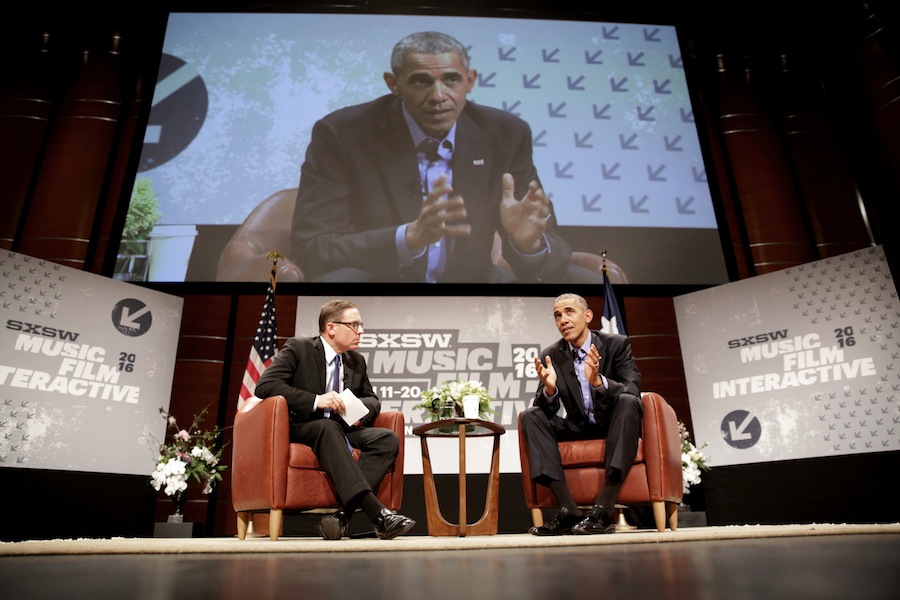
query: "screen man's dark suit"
298, 374
360, 181
618, 408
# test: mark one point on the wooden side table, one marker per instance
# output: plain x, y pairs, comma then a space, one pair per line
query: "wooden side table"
461, 428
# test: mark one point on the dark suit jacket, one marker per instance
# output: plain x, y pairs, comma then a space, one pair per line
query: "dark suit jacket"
298, 374
360, 181
616, 364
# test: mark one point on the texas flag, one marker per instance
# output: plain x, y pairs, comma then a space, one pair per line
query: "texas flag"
612, 321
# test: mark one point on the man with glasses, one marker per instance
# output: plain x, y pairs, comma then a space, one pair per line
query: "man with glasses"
310, 373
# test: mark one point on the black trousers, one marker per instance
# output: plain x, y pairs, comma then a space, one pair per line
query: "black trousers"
326, 437
621, 427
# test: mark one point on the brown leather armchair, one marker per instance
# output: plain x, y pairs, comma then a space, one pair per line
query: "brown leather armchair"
268, 227
270, 474
654, 478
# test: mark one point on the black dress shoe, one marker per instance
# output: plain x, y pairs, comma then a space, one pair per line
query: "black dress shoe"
389, 525
599, 520
560, 524
334, 526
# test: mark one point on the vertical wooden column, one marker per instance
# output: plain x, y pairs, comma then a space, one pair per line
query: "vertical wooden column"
877, 60
653, 330
29, 90
720, 176
775, 224
102, 255
823, 173
198, 384
73, 176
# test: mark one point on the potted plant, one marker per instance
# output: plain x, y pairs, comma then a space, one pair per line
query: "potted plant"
446, 400
143, 214
191, 454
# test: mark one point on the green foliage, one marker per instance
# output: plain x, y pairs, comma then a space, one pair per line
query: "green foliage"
190, 454
143, 211
433, 399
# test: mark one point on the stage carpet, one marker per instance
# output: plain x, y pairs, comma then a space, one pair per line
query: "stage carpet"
425, 543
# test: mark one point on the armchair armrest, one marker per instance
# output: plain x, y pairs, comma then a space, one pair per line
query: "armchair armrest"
260, 451
662, 449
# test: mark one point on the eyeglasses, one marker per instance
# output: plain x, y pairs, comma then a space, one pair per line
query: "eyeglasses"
355, 325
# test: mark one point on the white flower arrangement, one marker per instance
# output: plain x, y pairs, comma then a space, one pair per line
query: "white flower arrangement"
188, 455
434, 399
693, 462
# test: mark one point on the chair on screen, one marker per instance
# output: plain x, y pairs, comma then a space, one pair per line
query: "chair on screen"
271, 475
655, 476
268, 227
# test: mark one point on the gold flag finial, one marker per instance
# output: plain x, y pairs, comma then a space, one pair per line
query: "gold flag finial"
274, 256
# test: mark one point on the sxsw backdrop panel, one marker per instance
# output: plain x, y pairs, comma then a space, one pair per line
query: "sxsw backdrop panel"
615, 139
409, 349
795, 364
793, 387
86, 363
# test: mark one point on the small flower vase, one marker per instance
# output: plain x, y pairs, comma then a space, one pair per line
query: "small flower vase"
448, 410
178, 499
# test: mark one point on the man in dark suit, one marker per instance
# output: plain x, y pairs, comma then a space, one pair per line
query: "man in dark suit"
310, 373
592, 378
413, 186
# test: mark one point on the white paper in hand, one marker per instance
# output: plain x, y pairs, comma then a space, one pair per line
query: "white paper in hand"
354, 409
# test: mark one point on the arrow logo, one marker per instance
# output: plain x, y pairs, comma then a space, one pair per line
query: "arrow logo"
506, 54
556, 111
741, 429
132, 317
550, 56
636, 60
600, 113
582, 141
129, 319
563, 172
575, 84
593, 58
592, 204
486, 81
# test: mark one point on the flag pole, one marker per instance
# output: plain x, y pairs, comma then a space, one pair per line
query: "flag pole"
274, 256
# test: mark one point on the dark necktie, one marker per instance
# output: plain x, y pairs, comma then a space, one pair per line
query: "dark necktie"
336, 386
336, 377
437, 252
429, 147
335, 381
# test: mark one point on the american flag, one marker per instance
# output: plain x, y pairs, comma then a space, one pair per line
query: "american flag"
263, 350
612, 320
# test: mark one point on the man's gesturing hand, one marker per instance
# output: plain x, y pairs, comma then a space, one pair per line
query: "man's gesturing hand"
524, 220
547, 374
442, 214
